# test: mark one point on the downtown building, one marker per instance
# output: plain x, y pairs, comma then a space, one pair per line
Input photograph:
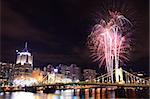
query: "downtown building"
89, 74
6, 71
24, 63
72, 72
75, 72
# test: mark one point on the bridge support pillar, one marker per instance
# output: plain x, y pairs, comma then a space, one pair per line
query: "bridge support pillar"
119, 75
82, 93
74, 92
101, 92
95, 91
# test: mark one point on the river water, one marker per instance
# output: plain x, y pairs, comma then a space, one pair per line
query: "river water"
74, 94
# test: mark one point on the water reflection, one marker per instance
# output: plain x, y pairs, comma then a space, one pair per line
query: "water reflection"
22, 95
98, 93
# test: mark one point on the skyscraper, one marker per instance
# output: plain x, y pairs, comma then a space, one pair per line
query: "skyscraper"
24, 62
24, 57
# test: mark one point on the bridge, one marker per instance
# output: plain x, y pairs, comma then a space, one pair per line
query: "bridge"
123, 77
120, 78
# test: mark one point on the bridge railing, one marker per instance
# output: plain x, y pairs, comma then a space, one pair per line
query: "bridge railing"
131, 78
106, 78
128, 78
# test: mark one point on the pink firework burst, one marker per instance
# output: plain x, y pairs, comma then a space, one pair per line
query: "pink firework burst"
108, 41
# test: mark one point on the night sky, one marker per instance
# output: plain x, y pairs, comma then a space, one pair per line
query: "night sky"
57, 30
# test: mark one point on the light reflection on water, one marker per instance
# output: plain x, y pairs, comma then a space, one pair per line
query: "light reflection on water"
64, 94
22, 95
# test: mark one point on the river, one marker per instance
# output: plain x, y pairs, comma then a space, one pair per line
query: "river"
74, 94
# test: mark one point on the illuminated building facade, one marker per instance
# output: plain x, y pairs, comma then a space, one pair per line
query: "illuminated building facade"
6, 71
89, 74
24, 57
72, 72
24, 62
75, 72
65, 70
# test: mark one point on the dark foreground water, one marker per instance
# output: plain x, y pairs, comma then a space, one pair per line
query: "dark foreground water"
77, 94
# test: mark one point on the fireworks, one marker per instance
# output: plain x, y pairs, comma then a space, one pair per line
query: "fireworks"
108, 41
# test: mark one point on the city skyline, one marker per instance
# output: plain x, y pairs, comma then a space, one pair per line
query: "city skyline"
59, 36
87, 49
